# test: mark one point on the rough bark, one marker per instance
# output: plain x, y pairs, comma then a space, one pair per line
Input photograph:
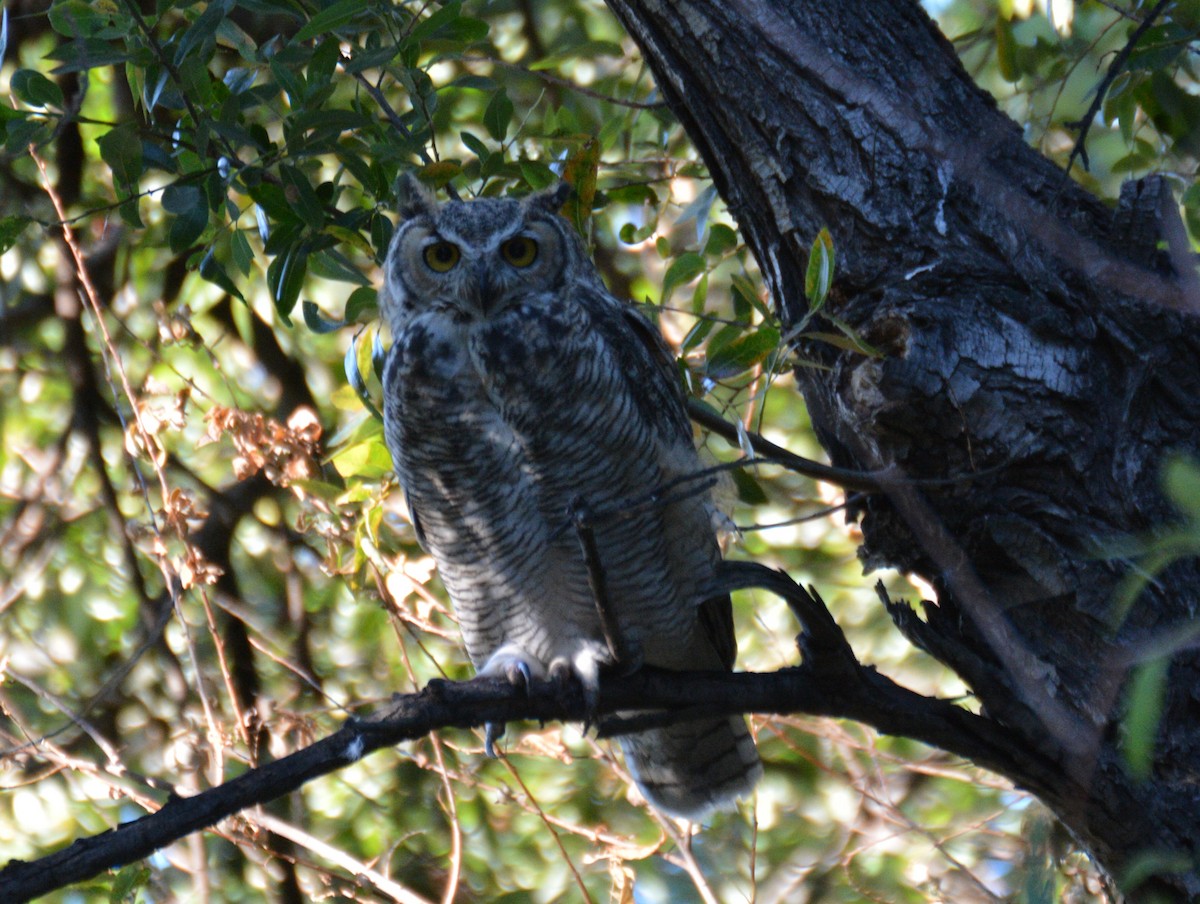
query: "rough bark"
1038, 349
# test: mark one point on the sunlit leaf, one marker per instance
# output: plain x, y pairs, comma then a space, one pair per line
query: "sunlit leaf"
355, 377
742, 353
818, 278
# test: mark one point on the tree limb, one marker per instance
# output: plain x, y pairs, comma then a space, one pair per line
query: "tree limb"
828, 682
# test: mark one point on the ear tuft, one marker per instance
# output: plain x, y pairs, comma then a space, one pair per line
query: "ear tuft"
551, 199
414, 197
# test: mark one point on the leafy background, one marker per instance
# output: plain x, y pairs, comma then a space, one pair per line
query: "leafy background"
204, 561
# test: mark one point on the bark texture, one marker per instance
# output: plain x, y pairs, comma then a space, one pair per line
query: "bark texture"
1040, 362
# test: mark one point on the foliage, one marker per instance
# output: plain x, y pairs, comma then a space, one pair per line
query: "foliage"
204, 562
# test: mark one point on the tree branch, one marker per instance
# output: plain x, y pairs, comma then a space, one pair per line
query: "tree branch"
828, 682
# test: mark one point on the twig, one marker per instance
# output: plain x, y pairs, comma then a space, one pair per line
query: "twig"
553, 832
581, 517
339, 858
1114, 69
843, 477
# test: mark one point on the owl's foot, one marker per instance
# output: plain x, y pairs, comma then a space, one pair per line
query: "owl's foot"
519, 669
514, 665
584, 667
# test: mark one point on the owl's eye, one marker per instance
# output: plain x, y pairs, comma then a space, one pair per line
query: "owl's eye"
520, 251
441, 256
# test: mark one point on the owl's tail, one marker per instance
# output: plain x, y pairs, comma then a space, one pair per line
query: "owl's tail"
692, 768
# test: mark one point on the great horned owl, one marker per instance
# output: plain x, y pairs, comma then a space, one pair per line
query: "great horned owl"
518, 388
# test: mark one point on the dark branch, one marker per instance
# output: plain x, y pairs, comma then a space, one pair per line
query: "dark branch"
1079, 151
828, 682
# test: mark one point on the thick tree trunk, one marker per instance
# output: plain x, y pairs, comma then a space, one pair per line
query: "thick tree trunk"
1038, 351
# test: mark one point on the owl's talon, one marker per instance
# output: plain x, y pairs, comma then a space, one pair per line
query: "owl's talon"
519, 674
492, 732
561, 675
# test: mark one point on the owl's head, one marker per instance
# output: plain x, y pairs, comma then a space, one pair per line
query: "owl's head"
473, 259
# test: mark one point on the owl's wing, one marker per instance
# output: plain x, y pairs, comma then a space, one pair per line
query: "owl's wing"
391, 433
654, 368
655, 372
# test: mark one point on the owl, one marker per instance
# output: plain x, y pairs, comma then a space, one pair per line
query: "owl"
519, 393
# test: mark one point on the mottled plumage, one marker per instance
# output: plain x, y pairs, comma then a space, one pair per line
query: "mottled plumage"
515, 387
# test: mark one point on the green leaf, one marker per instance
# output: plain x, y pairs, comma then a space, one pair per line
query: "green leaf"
187, 202
439, 173
475, 146
273, 202
742, 353
696, 334
128, 882
498, 115
748, 489
79, 18
322, 66
36, 90
232, 35
11, 229
362, 301
121, 149
215, 273
1145, 697
330, 18
318, 322
442, 18
1181, 481
683, 270
746, 292
86, 53
819, 276
1006, 51
355, 378
537, 174
291, 83
700, 296
721, 240
285, 278
130, 213
635, 235
201, 34
363, 461
243, 256
300, 196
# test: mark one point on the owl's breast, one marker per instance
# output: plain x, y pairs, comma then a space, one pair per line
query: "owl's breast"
527, 357
430, 351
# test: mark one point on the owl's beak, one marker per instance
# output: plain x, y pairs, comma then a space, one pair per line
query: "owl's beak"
485, 290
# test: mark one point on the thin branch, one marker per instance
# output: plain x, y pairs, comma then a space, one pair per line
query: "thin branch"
559, 81
1110, 76
843, 477
339, 858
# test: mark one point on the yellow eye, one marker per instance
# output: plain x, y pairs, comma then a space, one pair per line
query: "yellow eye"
520, 251
441, 256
